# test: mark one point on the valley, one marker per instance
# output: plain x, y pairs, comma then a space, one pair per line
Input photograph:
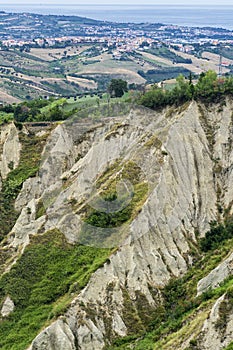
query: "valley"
116, 185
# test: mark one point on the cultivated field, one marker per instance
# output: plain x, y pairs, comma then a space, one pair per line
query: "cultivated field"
74, 70
50, 54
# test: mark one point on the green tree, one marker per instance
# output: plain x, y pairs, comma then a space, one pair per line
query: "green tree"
207, 86
229, 85
181, 93
21, 113
117, 87
154, 98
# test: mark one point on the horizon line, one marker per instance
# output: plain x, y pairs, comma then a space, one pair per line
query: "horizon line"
125, 4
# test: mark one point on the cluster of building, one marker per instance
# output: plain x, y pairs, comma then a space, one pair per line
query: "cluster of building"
47, 32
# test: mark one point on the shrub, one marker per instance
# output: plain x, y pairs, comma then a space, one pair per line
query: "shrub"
217, 234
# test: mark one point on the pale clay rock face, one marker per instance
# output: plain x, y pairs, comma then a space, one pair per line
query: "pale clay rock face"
7, 307
216, 276
56, 336
10, 149
182, 198
216, 333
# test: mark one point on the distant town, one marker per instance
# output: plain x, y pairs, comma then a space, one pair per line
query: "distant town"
32, 30
54, 55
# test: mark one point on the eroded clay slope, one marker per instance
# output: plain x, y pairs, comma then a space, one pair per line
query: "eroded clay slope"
182, 159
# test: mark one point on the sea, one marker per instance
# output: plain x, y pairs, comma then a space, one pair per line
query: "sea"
192, 16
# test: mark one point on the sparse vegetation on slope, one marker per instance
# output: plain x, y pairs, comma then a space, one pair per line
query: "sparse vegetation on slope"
181, 307
107, 182
28, 166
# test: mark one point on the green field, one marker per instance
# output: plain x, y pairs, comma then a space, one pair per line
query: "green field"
75, 71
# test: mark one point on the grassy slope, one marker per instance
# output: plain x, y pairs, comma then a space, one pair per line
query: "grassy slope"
42, 284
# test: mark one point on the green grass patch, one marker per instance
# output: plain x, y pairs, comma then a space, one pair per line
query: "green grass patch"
129, 171
41, 284
124, 213
100, 219
40, 209
229, 347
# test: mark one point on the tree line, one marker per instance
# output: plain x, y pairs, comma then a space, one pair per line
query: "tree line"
209, 88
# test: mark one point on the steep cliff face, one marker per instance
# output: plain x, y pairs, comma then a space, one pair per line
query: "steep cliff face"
10, 149
175, 173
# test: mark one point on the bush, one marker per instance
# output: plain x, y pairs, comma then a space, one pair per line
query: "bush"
216, 235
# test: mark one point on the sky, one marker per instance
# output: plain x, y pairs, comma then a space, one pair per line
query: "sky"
119, 2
